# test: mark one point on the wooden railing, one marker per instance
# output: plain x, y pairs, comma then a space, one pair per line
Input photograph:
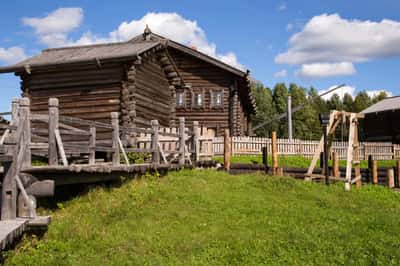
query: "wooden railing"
60, 138
253, 145
65, 140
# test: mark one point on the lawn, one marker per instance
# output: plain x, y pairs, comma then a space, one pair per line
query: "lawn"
297, 161
205, 217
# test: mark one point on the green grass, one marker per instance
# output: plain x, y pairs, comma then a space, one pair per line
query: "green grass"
297, 161
205, 217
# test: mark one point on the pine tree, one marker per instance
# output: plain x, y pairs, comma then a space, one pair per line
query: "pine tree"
279, 97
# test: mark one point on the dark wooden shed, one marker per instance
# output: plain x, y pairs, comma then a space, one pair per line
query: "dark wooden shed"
382, 121
148, 77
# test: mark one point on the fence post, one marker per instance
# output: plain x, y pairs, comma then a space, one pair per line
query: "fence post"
53, 125
265, 158
26, 136
374, 172
181, 141
274, 154
155, 156
196, 142
92, 145
398, 172
115, 136
227, 150
390, 178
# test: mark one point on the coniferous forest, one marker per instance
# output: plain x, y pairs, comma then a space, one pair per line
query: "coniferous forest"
273, 101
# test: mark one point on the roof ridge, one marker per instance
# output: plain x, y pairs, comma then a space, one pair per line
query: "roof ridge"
89, 45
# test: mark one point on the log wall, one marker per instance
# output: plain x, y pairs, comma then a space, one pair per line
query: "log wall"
151, 92
205, 78
87, 92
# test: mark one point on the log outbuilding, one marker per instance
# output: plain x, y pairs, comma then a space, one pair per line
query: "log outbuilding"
148, 77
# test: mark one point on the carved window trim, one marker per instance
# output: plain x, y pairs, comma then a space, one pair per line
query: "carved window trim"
178, 104
198, 95
214, 95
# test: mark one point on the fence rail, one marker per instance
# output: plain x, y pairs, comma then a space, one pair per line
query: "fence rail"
252, 146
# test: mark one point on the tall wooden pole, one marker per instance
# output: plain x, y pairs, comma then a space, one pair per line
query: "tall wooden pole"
374, 172
196, 142
154, 142
53, 125
92, 145
181, 141
25, 110
274, 153
289, 117
115, 137
227, 150
390, 178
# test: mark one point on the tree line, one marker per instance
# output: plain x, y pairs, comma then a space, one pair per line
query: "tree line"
306, 125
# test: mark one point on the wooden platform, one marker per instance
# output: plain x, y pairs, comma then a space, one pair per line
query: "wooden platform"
10, 230
86, 174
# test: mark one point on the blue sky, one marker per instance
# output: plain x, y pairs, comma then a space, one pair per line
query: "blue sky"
311, 43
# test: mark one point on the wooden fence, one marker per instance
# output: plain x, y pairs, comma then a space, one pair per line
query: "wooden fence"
252, 146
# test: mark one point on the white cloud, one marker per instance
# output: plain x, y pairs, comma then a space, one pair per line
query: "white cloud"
282, 7
12, 55
53, 29
330, 38
350, 90
281, 74
289, 27
341, 91
373, 93
322, 70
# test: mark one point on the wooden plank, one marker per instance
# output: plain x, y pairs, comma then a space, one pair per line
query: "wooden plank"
11, 230
61, 147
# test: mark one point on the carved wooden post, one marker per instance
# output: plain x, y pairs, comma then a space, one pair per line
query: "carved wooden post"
181, 141
9, 185
196, 142
374, 172
115, 137
390, 178
155, 156
26, 136
53, 126
274, 153
24, 112
227, 150
92, 145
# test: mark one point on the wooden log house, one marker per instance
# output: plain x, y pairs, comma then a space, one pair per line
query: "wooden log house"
148, 77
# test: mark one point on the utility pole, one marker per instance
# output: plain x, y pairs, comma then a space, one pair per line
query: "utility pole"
289, 117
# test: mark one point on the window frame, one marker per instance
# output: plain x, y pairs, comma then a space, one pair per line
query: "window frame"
183, 93
213, 98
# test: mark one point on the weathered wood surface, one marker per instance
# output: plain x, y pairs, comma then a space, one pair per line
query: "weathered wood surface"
204, 79
10, 230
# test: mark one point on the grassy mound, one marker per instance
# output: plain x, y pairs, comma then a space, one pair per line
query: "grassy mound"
204, 217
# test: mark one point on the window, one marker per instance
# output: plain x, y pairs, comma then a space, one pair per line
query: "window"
198, 99
217, 99
180, 99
